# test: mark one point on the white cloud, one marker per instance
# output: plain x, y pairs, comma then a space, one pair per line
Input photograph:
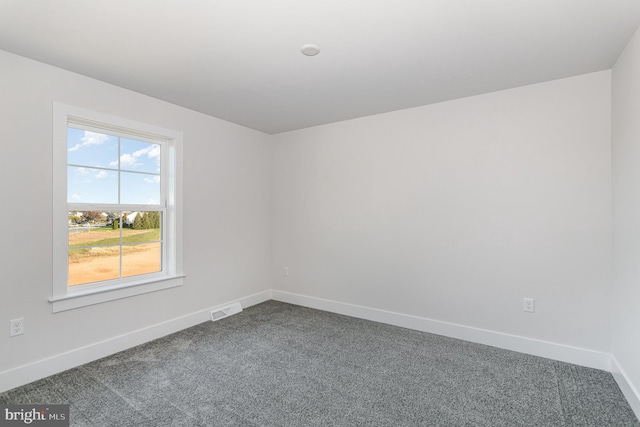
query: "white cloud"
75, 196
131, 160
152, 152
102, 174
83, 171
126, 160
153, 179
90, 138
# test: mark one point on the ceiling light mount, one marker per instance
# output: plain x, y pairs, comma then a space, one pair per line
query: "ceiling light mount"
310, 49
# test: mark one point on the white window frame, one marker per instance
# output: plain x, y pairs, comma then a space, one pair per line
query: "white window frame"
66, 297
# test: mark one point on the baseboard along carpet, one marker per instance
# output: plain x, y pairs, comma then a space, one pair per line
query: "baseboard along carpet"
277, 364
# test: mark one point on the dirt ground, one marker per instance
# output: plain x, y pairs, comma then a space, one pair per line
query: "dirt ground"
138, 259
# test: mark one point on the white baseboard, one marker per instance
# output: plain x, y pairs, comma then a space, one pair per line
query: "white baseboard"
52, 365
626, 386
40, 369
564, 353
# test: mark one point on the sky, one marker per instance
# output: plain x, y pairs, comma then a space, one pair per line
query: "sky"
96, 161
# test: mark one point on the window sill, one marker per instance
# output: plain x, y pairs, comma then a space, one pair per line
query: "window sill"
83, 298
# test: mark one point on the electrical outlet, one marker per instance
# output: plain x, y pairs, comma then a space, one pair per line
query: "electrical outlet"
285, 272
16, 327
529, 305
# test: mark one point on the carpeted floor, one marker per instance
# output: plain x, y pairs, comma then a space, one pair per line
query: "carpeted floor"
277, 364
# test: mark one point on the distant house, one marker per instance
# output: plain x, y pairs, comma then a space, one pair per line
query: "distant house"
129, 218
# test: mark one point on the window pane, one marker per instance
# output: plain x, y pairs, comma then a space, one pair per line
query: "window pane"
139, 156
139, 189
90, 185
88, 260
91, 149
142, 258
94, 264
92, 228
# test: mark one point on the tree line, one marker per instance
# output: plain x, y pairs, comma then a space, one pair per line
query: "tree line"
146, 220
142, 221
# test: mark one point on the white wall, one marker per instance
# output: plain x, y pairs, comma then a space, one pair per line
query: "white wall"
226, 212
456, 211
626, 198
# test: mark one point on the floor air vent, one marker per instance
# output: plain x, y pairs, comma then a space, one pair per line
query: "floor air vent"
221, 313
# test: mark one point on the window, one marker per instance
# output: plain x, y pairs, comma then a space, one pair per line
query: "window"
116, 217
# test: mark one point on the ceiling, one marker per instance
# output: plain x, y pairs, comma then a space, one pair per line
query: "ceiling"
240, 60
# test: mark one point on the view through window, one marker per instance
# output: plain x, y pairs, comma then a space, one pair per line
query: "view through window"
116, 205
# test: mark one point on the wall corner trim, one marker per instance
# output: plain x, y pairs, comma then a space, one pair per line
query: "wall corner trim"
626, 386
34, 371
550, 350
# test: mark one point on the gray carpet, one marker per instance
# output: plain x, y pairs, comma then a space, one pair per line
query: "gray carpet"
277, 364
